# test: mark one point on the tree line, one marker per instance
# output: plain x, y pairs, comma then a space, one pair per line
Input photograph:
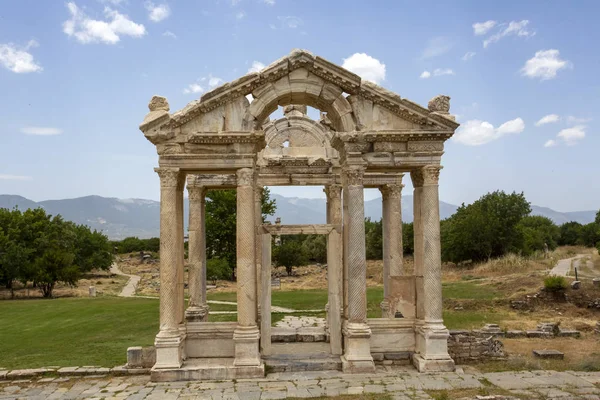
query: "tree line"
40, 249
496, 224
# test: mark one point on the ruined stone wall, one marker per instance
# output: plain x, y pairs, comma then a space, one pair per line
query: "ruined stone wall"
472, 346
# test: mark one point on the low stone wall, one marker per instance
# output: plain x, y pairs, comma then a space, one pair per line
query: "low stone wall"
472, 346
141, 357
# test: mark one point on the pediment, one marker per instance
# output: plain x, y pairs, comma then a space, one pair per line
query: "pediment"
226, 108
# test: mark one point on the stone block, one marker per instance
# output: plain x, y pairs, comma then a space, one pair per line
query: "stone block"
538, 334
576, 285
401, 355
515, 334
569, 333
549, 354
141, 357
596, 282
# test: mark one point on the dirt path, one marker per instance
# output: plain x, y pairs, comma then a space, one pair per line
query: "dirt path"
563, 266
129, 289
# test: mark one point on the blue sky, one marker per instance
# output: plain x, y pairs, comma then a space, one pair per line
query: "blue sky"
76, 77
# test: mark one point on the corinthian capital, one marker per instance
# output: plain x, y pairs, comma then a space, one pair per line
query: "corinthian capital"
245, 177
427, 175
354, 176
170, 177
333, 191
391, 191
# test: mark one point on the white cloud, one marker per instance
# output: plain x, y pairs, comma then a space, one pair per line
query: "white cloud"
436, 72
425, 75
365, 66
442, 71
548, 119
213, 81
257, 66
550, 143
157, 12
572, 135
544, 65
468, 55
476, 132
9, 177
516, 125
575, 120
240, 15
517, 28
436, 47
169, 34
87, 30
272, 26
290, 21
114, 2
18, 59
269, 2
193, 88
481, 28
41, 131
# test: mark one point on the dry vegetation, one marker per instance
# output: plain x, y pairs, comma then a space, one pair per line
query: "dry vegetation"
106, 283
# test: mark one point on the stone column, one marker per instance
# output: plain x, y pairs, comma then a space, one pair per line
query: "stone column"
168, 342
265, 321
197, 307
334, 268
258, 190
357, 350
246, 334
431, 335
392, 238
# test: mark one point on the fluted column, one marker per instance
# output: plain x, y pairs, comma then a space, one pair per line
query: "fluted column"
246, 334
197, 307
334, 267
357, 351
168, 342
392, 237
431, 335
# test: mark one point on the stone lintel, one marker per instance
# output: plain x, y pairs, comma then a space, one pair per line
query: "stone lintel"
313, 229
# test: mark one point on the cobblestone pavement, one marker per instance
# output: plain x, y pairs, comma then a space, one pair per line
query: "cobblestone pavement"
400, 383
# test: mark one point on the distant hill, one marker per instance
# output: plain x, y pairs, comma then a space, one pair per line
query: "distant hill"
119, 218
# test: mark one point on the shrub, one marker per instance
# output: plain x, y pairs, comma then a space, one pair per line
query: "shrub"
217, 268
555, 283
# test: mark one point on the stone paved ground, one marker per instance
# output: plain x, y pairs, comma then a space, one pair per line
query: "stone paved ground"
400, 383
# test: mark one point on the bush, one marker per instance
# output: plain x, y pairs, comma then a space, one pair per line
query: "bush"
555, 283
217, 268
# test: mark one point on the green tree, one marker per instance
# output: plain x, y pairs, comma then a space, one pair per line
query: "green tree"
373, 239
92, 249
290, 253
570, 233
597, 220
589, 235
315, 248
221, 223
487, 228
537, 230
408, 238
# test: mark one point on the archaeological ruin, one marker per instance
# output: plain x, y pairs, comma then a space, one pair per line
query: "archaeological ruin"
367, 137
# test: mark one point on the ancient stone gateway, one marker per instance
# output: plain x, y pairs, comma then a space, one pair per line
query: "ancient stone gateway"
367, 137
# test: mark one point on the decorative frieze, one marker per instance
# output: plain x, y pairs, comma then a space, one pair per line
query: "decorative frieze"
245, 176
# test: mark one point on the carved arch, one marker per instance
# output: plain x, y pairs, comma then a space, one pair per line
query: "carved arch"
300, 131
300, 86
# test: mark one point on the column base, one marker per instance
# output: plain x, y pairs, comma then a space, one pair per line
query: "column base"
432, 348
357, 350
247, 352
169, 350
196, 314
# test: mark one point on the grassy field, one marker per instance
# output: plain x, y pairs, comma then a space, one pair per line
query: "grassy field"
97, 331
74, 331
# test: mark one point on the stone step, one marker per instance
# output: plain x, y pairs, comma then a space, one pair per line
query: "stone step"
290, 335
302, 362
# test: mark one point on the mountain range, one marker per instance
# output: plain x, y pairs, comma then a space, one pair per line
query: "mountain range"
120, 218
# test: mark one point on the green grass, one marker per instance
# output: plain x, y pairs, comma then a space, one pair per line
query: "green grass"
97, 331
469, 290
74, 331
